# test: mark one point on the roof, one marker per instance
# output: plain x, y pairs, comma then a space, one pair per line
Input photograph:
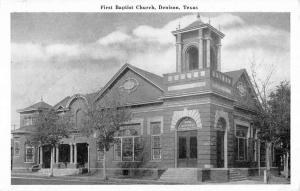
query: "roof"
35, 107
91, 96
154, 79
62, 103
236, 74
24, 130
199, 24
158, 80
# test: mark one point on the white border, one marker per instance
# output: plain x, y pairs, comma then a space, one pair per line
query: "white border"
8, 6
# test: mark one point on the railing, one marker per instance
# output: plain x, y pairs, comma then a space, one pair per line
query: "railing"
221, 77
185, 76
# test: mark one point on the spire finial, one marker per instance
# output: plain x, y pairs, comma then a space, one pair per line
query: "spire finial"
198, 16
42, 98
209, 20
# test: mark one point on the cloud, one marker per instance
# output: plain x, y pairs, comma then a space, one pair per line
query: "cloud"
58, 70
257, 36
163, 35
114, 37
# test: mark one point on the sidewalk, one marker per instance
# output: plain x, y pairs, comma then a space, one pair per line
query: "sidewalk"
93, 178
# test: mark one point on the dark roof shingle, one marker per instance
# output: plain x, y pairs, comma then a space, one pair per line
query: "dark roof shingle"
236, 74
37, 106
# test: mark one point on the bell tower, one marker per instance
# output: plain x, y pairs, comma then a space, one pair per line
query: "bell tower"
198, 46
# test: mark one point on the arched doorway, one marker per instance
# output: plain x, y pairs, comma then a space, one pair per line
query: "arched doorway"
187, 152
192, 58
221, 128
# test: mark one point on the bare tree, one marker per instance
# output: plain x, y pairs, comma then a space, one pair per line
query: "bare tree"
266, 119
51, 129
262, 121
102, 122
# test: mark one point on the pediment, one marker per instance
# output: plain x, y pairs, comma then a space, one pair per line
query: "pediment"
244, 93
130, 87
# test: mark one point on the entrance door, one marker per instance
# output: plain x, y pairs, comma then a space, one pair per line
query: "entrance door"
82, 154
220, 149
46, 156
187, 149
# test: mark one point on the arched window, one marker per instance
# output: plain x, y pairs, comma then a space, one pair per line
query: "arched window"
192, 58
187, 123
79, 118
221, 125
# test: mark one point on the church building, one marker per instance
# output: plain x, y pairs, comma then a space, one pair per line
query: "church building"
197, 117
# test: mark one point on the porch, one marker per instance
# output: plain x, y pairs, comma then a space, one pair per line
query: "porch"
72, 155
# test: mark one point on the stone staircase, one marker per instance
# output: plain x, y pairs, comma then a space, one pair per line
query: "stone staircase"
235, 175
58, 172
180, 175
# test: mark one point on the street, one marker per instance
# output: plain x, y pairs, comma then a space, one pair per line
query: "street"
19, 179
54, 181
69, 180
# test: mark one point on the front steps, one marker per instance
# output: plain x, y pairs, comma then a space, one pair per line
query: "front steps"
58, 172
180, 175
235, 175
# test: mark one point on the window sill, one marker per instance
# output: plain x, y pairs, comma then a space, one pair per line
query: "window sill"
124, 161
157, 160
29, 162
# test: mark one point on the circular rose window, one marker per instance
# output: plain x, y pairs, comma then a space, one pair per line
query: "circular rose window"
129, 85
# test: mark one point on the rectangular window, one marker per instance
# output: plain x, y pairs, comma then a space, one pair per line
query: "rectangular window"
242, 136
29, 154
242, 148
127, 149
117, 150
27, 121
129, 144
156, 140
138, 149
17, 148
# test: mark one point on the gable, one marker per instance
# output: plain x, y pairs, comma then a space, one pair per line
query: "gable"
131, 88
244, 93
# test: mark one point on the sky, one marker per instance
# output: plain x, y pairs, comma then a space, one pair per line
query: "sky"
55, 55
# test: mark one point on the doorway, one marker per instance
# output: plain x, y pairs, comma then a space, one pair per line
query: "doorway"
220, 149
46, 156
187, 148
82, 154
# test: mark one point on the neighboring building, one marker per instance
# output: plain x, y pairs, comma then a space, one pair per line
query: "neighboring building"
24, 154
196, 117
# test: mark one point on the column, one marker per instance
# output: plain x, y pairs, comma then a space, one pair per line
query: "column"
41, 155
75, 153
175, 151
71, 153
179, 53
200, 50
225, 149
219, 57
208, 52
57, 154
